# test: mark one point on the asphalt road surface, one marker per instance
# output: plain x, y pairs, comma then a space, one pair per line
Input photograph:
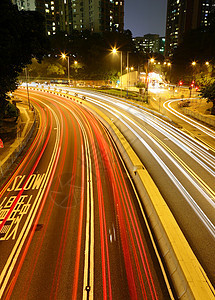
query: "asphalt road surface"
71, 226
180, 157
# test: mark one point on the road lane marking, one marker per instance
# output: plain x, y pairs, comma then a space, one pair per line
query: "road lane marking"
88, 283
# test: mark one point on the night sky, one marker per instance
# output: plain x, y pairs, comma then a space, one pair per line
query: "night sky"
145, 16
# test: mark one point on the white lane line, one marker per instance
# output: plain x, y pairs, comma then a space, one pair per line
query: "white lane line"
88, 283
201, 127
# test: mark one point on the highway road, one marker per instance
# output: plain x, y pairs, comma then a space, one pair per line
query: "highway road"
181, 160
71, 221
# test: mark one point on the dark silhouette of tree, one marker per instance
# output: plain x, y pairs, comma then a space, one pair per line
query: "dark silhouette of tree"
22, 37
208, 91
198, 45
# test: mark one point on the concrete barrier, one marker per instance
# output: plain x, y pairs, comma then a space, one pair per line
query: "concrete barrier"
203, 118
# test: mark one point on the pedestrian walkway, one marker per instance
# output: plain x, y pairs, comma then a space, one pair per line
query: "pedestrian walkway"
15, 136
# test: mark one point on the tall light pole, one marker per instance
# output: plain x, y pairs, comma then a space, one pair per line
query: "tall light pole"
193, 78
26, 74
64, 56
75, 65
150, 60
114, 51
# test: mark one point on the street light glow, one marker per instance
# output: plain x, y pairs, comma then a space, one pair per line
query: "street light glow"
63, 55
207, 63
75, 62
193, 63
114, 50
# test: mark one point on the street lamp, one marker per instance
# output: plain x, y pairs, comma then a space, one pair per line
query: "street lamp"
114, 51
193, 77
75, 66
150, 60
64, 56
27, 77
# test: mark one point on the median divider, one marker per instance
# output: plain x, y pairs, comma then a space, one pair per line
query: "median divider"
187, 275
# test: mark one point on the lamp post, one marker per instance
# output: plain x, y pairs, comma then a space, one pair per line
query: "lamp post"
207, 66
26, 74
64, 56
193, 78
75, 65
150, 60
114, 51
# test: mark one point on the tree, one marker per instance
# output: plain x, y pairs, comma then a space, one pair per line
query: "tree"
208, 91
22, 37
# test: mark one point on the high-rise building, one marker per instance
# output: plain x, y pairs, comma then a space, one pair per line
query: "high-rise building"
149, 43
25, 4
68, 15
183, 16
162, 45
97, 15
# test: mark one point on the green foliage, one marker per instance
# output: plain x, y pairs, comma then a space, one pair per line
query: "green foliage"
140, 85
22, 36
10, 111
55, 69
208, 91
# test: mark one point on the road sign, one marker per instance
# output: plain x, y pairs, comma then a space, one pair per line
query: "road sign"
1, 144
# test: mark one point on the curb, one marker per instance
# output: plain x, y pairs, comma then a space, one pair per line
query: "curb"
6, 163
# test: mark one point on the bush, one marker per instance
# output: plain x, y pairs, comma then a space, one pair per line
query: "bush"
11, 111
